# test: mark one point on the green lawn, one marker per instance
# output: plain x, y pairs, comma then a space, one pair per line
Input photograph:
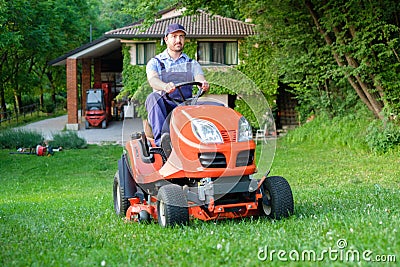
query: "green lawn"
58, 211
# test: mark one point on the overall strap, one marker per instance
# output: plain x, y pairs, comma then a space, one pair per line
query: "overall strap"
161, 64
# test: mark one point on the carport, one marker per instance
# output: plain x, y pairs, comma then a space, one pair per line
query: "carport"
84, 66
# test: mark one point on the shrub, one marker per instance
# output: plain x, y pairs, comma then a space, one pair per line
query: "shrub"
68, 140
61, 102
383, 136
28, 99
140, 96
48, 107
13, 138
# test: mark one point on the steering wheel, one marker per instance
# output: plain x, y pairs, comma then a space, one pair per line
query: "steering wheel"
181, 100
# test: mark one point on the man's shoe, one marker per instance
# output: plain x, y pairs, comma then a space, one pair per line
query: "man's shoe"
166, 144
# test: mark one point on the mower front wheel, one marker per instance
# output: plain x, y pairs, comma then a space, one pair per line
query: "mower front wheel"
277, 200
172, 206
121, 202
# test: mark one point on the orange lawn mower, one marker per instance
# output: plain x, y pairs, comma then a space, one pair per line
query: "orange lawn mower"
205, 171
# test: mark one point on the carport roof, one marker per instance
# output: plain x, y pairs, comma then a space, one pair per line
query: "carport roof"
97, 48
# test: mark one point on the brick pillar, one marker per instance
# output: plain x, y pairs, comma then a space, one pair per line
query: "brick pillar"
72, 94
86, 79
97, 70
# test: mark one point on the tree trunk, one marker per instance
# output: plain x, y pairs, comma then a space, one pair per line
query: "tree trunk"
41, 99
2, 103
3, 106
373, 102
49, 75
17, 95
362, 88
17, 101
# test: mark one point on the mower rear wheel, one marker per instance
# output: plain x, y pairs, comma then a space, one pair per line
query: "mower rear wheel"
172, 206
104, 124
277, 201
121, 202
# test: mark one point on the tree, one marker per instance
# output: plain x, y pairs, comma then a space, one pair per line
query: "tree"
323, 48
32, 33
364, 41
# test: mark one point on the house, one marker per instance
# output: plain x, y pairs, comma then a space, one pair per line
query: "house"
217, 39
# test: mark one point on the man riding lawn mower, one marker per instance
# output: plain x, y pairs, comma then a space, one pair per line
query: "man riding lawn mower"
209, 174
201, 162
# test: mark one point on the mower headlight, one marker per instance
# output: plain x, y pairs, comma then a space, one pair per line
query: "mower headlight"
206, 132
245, 132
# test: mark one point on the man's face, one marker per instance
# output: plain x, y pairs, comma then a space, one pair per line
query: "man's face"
175, 41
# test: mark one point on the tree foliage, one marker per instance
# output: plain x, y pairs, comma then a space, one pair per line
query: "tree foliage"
330, 46
33, 32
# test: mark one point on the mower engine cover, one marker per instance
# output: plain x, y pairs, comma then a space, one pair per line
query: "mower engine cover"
205, 145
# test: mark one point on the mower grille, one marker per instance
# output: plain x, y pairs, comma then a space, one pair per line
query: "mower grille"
212, 160
228, 136
245, 158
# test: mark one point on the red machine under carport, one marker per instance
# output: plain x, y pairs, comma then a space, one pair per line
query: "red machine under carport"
98, 106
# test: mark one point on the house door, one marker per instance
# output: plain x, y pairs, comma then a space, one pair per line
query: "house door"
286, 103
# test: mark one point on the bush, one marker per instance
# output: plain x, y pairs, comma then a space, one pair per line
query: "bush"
383, 136
68, 140
140, 96
12, 138
61, 102
48, 107
28, 99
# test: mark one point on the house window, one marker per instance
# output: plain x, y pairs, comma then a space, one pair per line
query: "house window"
144, 52
217, 52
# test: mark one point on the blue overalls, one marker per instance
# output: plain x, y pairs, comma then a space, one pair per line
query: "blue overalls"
158, 107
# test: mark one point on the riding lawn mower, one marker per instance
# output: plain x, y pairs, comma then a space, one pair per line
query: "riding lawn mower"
206, 170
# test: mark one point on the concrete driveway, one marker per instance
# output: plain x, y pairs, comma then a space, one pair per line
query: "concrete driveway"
116, 132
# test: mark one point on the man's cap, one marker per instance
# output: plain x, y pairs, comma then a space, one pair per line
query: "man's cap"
174, 28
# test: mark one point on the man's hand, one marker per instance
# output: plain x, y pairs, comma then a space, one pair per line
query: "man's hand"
205, 86
169, 87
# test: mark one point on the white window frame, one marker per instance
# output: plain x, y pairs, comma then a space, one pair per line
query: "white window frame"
133, 51
212, 46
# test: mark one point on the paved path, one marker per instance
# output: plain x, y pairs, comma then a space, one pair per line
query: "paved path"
116, 132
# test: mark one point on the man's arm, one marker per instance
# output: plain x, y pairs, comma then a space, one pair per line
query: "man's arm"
200, 78
199, 75
156, 83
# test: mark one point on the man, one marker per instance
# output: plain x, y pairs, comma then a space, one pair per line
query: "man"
170, 67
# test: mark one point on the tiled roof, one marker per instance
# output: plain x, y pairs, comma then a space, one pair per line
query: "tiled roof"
201, 25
